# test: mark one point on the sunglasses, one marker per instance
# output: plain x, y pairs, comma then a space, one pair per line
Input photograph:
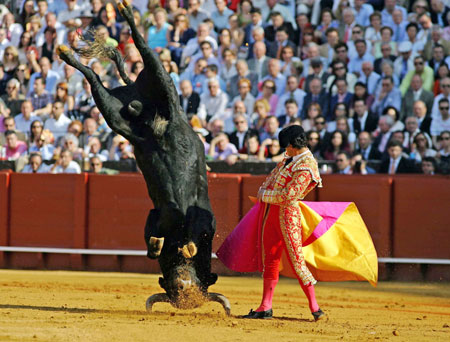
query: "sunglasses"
418, 63
339, 68
443, 108
339, 160
446, 138
445, 85
356, 32
238, 122
320, 122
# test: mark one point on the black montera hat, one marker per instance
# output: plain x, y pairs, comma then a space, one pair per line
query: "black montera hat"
288, 134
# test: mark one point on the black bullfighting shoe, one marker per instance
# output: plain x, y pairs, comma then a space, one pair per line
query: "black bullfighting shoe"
319, 314
259, 315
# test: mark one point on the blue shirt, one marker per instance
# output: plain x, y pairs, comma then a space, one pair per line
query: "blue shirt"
363, 16
394, 99
280, 83
371, 83
221, 20
355, 64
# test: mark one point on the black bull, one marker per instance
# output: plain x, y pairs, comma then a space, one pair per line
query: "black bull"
179, 231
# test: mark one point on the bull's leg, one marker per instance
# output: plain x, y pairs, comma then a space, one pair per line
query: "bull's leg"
117, 58
153, 240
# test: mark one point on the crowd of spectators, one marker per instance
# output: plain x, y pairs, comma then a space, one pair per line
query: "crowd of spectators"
367, 80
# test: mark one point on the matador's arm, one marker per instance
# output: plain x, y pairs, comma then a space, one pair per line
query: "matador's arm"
293, 192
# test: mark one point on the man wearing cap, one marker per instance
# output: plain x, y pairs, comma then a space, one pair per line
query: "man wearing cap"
290, 181
405, 62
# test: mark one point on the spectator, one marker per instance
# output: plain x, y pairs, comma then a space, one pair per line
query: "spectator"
220, 17
387, 96
316, 94
369, 77
261, 111
372, 33
40, 98
359, 165
271, 128
157, 34
428, 166
386, 55
399, 28
327, 50
386, 37
206, 53
340, 71
366, 148
228, 66
421, 149
320, 125
193, 45
416, 93
290, 113
189, 99
270, 150
13, 30
58, 123
214, 102
197, 76
94, 148
179, 35
341, 53
96, 166
276, 76
89, 130
269, 89
396, 163
342, 96
50, 78
445, 93
288, 60
10, 61
70, 142
221, 148
14, 148
13, 99
26, 117
383, 132
292, 92
259, 64
250, 152
196, 14
242, 131
62, 95
444, 151
338, 142
347, 24
363, 120
361, 56
405, 62
35, 164
361, 94
420, 113
34, 135
120, 149
343, 166
425, 72
395, 115
442, 123
436, 58
44, 145
312, 54
245, 96
65, 164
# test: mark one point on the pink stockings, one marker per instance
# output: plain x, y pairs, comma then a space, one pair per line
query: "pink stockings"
273, 248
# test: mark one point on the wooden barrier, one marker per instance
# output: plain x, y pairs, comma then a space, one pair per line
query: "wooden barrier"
4, 214
422, 220
109, 212
372, 196
47, 211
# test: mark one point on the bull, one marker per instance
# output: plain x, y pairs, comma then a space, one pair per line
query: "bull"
180, 229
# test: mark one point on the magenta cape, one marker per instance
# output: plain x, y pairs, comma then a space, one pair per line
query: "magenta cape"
336, 243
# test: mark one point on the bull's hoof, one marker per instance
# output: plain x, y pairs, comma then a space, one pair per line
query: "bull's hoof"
189, 250
155, 247
122, 5
62, 49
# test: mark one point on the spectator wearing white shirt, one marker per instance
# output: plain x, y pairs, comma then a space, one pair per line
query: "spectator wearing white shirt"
65, 164
35, 164
59, 122
213, 102
441, 123
13, 30
26, 117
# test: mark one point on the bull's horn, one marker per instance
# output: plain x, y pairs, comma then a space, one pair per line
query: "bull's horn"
220, 298
156, 298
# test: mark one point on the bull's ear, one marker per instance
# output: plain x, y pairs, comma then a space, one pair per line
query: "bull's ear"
135, 108
162, 282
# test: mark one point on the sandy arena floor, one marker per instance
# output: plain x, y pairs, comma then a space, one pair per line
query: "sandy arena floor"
82, 306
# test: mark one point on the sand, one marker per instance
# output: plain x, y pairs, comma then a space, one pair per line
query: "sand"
88, 306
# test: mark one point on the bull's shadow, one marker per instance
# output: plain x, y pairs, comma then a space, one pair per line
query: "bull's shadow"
179, 231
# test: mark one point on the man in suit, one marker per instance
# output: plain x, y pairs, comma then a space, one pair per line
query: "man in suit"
387, 96
386, 51
396, 163
259, 63
363, 120
385, 123
290, 113
420, 113
369, 77
256, 22
342, 96
238, 137
416, 93
436, 39
277, 23
258, 36
243, 72
189, 99
316, 94
439, 13
326, 50
437, 59
282, 40
366, 148
318, 72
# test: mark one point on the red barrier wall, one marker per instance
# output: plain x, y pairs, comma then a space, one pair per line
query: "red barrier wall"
422, 218
372, 196
4, 214
225, 197
117, 211
47, 211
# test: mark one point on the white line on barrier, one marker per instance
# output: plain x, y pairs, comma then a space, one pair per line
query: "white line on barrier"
131, 252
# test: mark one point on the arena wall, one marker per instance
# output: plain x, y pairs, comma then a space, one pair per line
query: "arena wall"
406, 216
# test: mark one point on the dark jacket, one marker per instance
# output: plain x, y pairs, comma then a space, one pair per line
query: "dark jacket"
193, 103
